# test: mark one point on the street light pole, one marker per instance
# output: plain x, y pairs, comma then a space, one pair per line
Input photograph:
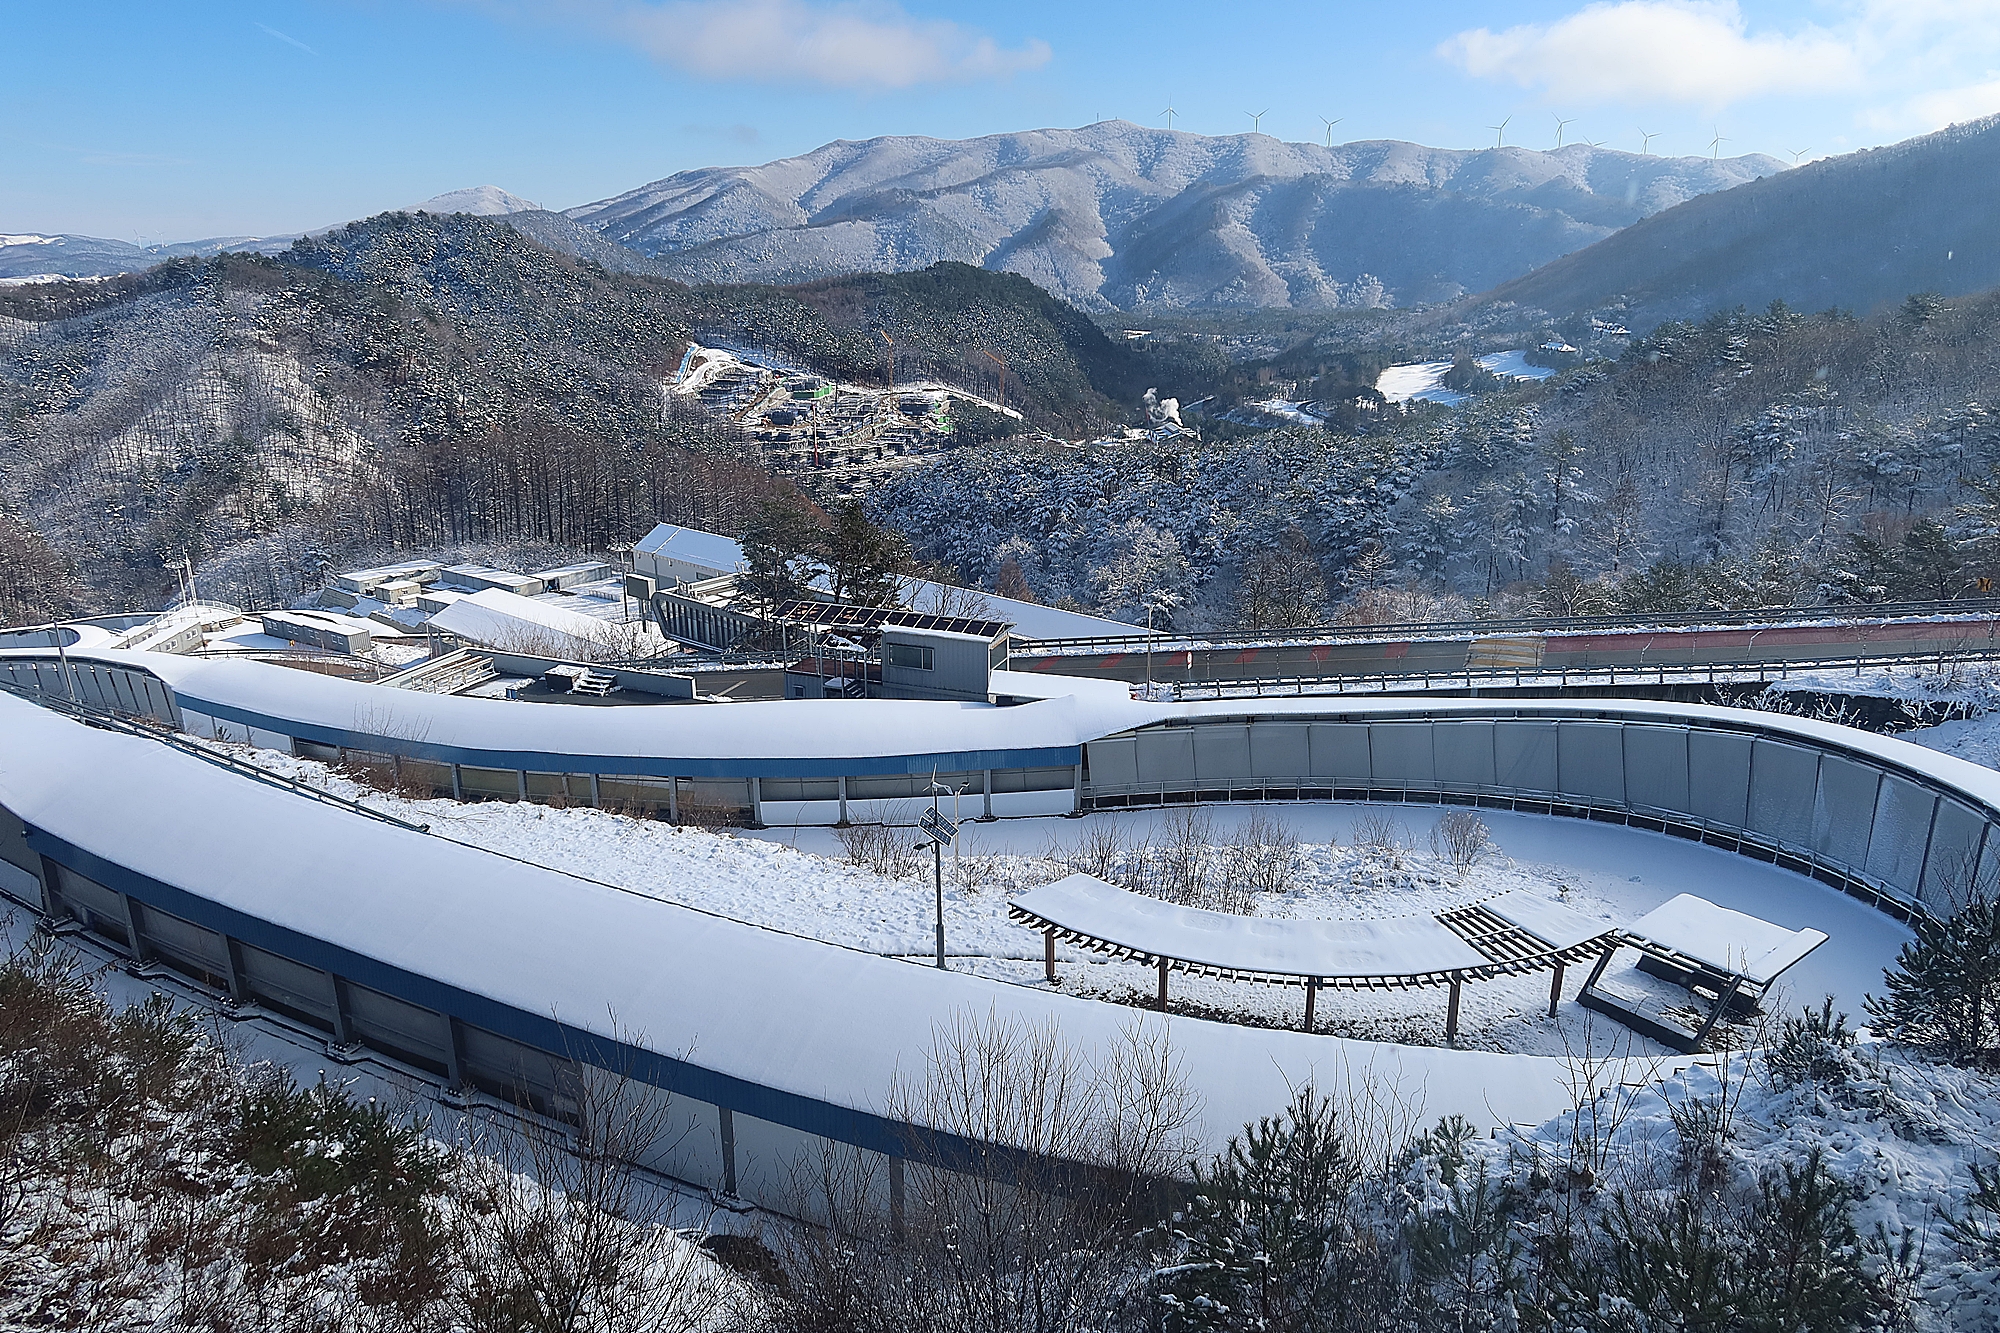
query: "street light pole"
937, 873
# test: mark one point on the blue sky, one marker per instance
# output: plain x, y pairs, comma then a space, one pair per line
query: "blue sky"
153, 121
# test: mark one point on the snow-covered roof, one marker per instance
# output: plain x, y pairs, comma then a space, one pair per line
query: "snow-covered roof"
1030, 620
1550, 922
696, 547
506, 620
776, 1011
1733, 943
1403, 946
804, 737
764, 738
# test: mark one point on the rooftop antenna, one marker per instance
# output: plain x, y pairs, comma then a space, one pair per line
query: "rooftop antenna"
1715, 144
1329, 128
1500, 132
1257, 119
1646, 141
1561, 125
1169, 113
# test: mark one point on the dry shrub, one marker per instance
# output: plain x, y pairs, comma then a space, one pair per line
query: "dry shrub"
1461, 838
1382, 832
1266, 857
1030, 1216
889, 852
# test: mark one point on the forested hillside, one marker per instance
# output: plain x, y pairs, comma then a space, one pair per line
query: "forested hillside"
1749, 460
1856, 231
420, 381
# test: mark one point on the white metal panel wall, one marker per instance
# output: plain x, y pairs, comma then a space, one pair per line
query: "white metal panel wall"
1340, 753
1719, 777
1844, 811
1114, 762
1222, 752
1166, 757
1656, 768
1464, 753
1402, 754
787, 1169
1952, 864
1524, 756
1280, 751
1900, 833
384, 1020
1590, 761
201, 948
293, 985
1783, 779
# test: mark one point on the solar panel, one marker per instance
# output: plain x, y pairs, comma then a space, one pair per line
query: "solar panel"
837, 615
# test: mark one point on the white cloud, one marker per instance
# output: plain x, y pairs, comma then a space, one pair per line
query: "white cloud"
866, 44
1948, 106
1698, 52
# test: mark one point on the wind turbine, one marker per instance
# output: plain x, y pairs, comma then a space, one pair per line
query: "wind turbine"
1257, 119
1500, 132
1329, 127
1799, 153
1646, 141
1715, 144
1561, 125
1170, 113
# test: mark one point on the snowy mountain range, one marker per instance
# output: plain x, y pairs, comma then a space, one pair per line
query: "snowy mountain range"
1116, 215
28, 255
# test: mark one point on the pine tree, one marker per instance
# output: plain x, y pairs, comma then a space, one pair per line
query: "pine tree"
864, 561
781, 547
1270, 1237
1945, 987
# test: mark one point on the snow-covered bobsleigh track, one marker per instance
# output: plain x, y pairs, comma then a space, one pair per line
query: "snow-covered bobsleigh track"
495, 975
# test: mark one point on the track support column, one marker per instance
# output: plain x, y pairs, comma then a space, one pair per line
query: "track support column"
1049, 955
1312, 994
1451, 1009
1556, 990
1163, 985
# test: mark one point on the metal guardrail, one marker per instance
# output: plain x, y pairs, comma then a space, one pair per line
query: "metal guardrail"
1445, 629
1665, 673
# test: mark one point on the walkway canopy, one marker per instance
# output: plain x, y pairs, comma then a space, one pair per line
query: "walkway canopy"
1512, 933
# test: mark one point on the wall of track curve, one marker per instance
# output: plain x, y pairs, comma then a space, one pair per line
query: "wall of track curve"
472, 970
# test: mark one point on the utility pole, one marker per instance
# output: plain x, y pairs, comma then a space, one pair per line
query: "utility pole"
940, 831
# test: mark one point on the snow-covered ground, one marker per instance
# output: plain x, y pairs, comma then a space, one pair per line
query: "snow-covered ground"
1973, 687
803, 881
1513, 366
1425, 379
1420, 380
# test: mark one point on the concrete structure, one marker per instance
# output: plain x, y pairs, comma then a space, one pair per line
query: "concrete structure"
495, 975
1902, 827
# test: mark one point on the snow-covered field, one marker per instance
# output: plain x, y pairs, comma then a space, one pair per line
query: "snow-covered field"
1352, 861
1425, 379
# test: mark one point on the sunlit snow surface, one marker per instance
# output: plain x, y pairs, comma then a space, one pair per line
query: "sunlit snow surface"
798, 880
1424, 380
